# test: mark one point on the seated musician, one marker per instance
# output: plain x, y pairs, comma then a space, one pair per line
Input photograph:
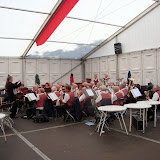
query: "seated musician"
80, 89
156, 97
95, 79
117, 96
35, 89
92, 85
47, 85
123, 89
98, 86
75, 90
104, 95
54, 89
22, 86
50, 85
110, 87
41, 97
85, 84
125, 83
106, 78
67, 100
59, 89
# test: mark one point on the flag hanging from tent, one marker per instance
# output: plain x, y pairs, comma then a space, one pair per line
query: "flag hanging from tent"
129, 76
55, 21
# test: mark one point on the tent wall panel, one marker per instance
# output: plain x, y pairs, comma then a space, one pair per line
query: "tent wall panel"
65, 66
144, 66
15, 69
149, 75
95, 67
77, 72
112, 62
103, 66
88, 68
54, 66
48, 70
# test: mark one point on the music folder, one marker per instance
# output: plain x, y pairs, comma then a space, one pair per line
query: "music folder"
31, 96
136, 93
52, 96
89, 92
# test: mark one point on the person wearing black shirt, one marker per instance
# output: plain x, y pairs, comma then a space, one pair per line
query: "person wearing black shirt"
10, 94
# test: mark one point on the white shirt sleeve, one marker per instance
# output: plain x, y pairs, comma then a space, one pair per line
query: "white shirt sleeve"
113, 97
37, 97
99, 98
155, 96
66, 98
82, 98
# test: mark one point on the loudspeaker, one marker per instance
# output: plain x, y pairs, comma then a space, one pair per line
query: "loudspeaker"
117, 48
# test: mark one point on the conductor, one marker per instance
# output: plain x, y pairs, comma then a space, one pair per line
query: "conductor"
10, 94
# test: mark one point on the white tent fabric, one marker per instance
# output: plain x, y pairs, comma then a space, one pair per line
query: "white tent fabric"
74, 38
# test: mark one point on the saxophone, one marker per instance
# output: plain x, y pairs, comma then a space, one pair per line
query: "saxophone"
130, 86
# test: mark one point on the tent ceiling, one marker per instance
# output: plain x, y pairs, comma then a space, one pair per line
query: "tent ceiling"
74, 38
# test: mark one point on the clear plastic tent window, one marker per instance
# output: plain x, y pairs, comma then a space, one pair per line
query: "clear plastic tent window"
75, 37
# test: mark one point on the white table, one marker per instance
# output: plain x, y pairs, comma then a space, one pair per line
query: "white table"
2, 116
155, 103
131, 106
111, 108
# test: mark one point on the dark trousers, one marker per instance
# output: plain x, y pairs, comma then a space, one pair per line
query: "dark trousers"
150, 113
62, 109
13, 109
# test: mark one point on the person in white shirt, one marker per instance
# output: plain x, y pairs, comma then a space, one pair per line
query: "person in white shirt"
156, 97
104, 95
75, 90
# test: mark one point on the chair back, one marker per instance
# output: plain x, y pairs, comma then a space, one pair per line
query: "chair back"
24, 90
106, 102
19, 96
47, 90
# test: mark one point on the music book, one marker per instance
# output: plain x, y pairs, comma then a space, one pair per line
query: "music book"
52, 96
136, 93
31, 96
89, 92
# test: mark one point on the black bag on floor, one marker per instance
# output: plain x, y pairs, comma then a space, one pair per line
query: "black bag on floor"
40, 119
29, 113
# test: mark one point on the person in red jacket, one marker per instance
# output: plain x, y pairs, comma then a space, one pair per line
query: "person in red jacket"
71, 79
41, 97
117, 97
67, 101
103, 95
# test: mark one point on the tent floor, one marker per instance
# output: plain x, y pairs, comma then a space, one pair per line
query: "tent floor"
58, 140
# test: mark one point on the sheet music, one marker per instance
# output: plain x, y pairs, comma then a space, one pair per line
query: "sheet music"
90, 92
136, 93
31, 96
53, 96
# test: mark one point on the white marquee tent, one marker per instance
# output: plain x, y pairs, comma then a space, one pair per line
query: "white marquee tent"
83, 43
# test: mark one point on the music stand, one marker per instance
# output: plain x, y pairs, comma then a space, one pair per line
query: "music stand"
136, 93
90, 93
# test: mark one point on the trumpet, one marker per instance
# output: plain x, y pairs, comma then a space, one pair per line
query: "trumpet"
146, 93
130, 86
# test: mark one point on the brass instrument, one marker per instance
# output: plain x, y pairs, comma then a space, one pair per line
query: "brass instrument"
130, 86
146, 93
